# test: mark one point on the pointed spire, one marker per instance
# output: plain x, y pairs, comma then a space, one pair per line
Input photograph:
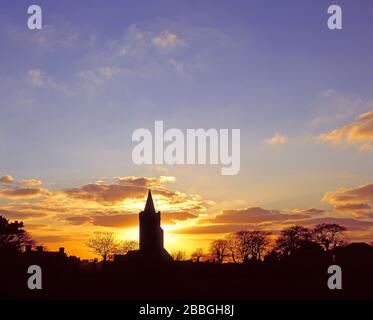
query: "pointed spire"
149, 206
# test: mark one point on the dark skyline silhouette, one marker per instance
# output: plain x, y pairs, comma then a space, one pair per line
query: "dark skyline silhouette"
296, 269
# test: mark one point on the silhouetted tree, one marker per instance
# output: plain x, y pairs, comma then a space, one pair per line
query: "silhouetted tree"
178, 255
233, 249
292, 239
258, 243
272, 256
198, 255
327, 234
13, 236
219, 250
103, 243
246, 244
123, 246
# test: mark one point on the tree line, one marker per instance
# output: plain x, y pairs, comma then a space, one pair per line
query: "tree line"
246, 245
237, 247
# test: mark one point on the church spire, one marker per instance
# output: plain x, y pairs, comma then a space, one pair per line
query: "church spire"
149, 206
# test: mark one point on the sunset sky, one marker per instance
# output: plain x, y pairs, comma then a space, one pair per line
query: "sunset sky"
72, 94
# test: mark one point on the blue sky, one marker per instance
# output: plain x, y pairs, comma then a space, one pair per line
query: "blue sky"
72, 94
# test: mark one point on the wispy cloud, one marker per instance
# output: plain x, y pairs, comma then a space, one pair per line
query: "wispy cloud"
333, 108
101, 75
6, 179
178, 65
31, 182
166, 40
36, 77
56, 36
21, 193
277, 139
355, 201
359, 132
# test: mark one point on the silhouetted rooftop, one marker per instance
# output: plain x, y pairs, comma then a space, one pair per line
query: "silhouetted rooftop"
149, 206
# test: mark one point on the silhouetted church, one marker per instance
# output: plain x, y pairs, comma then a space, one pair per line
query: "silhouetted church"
151, 237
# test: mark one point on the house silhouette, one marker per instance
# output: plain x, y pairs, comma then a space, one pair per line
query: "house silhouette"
150, 236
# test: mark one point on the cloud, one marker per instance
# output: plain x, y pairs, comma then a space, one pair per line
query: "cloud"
228, 221
178, 65
105, 193
352, 207
130, 191
232, 225
58, 36
21, 193
142, 52
6, 179
349, 223
277, 139
145, 181
214, 228
359, 132
360, 194
13, 214
172, 217
355, 201
115, 203
167, 39
31, 182
130, 55
253, 215
134, 42
51, 238
125, 220
138, 43
77, 220
309, 211
117, 221
36, 77
105, 202
233, 220
46, 206
333, 108
101, 74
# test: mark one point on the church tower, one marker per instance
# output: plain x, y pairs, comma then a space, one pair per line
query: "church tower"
151, 233
151, 250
